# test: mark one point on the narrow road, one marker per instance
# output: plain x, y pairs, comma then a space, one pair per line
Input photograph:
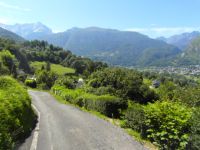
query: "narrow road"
63, 127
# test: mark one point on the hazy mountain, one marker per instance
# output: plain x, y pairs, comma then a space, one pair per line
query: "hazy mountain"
113, 46
191, 55
10, 35
28, 31
181, 40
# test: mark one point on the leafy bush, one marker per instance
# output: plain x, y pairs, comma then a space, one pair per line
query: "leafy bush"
67, 81
194, 142
17, 117
125, 83
134, 117
31, 83
46, 79
105, 104
167, 124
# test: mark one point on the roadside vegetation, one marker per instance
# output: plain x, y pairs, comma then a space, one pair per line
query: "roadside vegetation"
17, 117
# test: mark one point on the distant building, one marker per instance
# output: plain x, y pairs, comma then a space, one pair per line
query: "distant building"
80, 83
155, 83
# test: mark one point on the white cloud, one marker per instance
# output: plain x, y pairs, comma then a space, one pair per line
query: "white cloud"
14, 7
163, 31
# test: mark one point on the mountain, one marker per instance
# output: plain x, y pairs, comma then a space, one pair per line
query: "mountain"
181, 40
28, 31
10, 35
191, 55
113, 46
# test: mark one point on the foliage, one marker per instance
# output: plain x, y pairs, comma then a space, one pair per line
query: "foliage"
194, 142
8, 60
17, 117
134, 117
125, 83
68, 82
31, 83
46, 79
105, 104
189, 96
167, 124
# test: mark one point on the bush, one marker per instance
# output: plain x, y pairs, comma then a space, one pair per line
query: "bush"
125, 83
194, 142
17, 117
167, 124
105, 104
134, 117
31, 83
46, 79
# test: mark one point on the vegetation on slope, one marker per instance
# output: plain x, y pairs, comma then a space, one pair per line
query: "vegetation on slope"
114, 47
17, 117
58, 69
10, 35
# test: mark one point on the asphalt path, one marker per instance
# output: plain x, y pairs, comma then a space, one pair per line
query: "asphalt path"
64, 127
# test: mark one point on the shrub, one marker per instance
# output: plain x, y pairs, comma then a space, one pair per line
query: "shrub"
17, 117
167, 124
134, 117
46, 79
194, 142
105, 104
31, 83
125, 83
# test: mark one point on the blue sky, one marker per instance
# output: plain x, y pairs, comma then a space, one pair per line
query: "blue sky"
151, 17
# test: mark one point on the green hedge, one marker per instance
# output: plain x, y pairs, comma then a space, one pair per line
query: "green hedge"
134, 117
16, 115
105, 104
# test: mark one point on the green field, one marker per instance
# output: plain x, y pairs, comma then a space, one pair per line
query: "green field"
59, 69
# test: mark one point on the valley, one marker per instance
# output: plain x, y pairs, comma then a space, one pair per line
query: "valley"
99, 75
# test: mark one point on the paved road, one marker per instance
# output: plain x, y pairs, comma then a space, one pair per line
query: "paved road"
63, 127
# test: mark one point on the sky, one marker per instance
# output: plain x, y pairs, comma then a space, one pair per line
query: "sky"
151, 17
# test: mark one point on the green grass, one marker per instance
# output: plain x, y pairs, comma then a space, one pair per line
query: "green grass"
58, 69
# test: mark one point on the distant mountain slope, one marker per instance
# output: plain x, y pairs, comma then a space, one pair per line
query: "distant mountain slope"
113, 46
28, 31
181, 40
10, 35
191, 55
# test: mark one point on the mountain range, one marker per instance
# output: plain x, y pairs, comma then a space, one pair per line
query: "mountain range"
29, 31
181, 40
10, 35
113, 46
122, 48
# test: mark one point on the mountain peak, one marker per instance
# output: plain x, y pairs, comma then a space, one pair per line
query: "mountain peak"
28, 30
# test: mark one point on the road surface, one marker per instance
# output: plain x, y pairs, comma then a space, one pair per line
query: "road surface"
64, 127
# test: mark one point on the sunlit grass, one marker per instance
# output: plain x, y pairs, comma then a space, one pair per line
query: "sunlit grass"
58, 69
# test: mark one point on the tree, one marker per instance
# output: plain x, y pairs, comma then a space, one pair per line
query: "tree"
48, 66
9, 61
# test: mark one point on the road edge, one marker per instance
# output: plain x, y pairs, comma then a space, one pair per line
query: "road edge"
36, 130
